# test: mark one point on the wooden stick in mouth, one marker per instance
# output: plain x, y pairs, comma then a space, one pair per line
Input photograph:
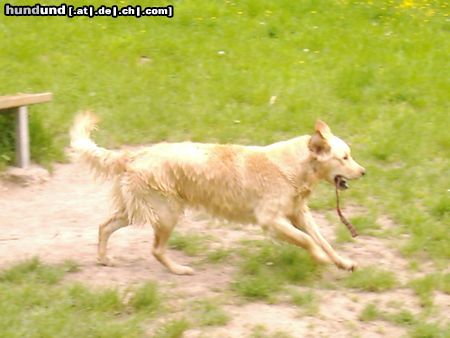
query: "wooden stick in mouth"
339, 212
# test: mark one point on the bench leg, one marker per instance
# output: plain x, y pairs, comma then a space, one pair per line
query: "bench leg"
22, 138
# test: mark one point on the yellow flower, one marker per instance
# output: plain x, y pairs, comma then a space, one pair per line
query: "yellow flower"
407, 4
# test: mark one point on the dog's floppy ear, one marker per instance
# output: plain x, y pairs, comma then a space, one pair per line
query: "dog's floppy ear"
319, 140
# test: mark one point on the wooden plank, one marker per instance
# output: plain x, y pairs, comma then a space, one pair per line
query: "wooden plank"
22, 138
14, 101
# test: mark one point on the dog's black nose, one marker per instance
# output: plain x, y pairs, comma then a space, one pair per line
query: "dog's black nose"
363, 172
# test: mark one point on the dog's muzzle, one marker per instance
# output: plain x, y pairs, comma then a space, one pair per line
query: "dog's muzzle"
341, 182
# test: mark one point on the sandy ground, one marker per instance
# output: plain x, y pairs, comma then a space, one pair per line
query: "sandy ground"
57, 220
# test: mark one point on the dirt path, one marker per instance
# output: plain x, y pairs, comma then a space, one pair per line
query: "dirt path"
58, 220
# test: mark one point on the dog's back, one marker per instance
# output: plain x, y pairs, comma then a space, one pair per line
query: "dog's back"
227, 180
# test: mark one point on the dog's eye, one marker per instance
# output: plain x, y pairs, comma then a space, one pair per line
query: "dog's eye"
345, 157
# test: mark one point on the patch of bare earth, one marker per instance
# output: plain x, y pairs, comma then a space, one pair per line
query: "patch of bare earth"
57, 220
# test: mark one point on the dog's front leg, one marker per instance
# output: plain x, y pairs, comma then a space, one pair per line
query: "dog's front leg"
306, 221
284, 229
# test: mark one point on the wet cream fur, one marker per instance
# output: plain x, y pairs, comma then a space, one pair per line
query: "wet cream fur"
267, 185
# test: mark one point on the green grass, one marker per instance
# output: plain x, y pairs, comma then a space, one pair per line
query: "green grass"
102, 301
417, 327
429, 330
260, 331
425, 286
146, 298
402, 317
371, 279
364, 225
7, 128
32, 271
307, 302
173, 329
266, 268
219, 255
380, 82
191, 244
210, 313
370, 313
35, 303
343, 235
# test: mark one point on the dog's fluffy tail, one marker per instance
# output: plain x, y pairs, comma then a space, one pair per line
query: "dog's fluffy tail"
103, 162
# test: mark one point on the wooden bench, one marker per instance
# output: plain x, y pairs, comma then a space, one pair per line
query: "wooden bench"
18, 104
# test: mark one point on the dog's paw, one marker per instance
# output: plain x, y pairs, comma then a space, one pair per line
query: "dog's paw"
353, 266
349, 265
105, 261
182, 270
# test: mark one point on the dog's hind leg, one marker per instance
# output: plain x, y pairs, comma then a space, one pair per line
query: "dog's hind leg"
105, 230
162, 234
165, 217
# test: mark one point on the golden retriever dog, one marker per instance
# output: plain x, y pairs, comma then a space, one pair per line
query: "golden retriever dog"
268, 185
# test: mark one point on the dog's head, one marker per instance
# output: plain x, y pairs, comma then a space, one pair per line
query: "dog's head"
332, 157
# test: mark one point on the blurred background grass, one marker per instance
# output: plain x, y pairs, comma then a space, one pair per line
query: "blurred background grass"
376, 71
